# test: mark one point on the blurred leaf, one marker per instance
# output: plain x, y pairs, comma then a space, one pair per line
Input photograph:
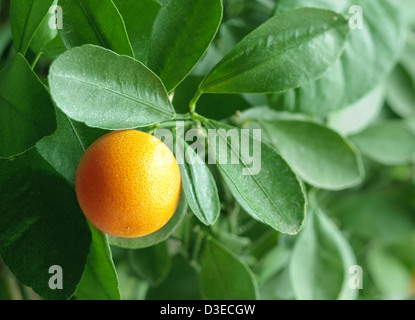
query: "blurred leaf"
232, 241
321, 157
131, 287
389, 142
404, 250
358, 116
65, 148
180, 284
407, 60
223, 276
274, 261
199, 186
40, 221
280, 204
99, 281
401, 92
391, 277
321, 260
25, 18
26, 110
369, 56
285, 43
279, 287
5, 38
152, 263
155, 237
105, 90
139, 18
95, 22
384, 215
182, 32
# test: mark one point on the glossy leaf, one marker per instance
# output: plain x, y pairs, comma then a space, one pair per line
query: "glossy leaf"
25, 18
319, 155
139, 18
199, 185
182, 32
95, 22
321, 260
287, 51
40, 221
369, 56
99, 281
47, 41
280, 204
44, 34
86, 85
224, 276
65, 148
389, 143
156, 237
26, 110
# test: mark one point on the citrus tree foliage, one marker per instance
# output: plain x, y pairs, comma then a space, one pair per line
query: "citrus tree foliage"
330, 85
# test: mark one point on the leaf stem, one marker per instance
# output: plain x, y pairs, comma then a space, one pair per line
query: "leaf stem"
192, 104
36, 60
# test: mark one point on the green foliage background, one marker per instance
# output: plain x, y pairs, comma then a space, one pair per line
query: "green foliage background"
336, 107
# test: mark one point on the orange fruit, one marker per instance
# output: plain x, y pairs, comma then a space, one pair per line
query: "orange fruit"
128, 184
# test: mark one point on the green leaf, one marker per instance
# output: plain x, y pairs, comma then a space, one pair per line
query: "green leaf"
182, 32
369, 56
25, 18
105, 90
280, 204
26, 110
131, 287
385, 216
358, 116
401, 92
199, 186
279, 287
156, 237
44, 34
180, 284
321, 260
47, 40
41, 225
139, 18
99, 281
319, 155
94, 22
287, 51
152, 263
212, 106
224, 276
65, 148
389, 274
275, 260
389, 142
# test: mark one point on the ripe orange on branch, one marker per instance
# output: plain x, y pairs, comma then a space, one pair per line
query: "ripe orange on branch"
128, 184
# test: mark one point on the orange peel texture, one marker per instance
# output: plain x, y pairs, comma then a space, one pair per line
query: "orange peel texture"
128, 184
